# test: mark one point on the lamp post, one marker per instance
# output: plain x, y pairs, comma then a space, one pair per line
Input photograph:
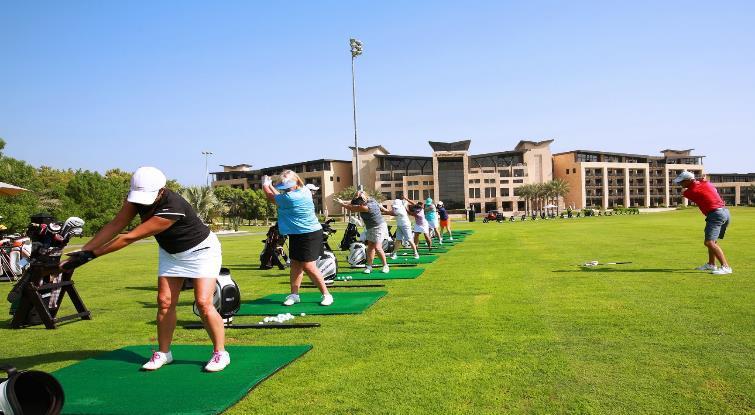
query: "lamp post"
356, 50
207, 155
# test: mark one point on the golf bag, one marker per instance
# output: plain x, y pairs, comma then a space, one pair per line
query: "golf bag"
357, 254
30, 392
351, 235
328, 265
389, 245
273, 250
227, 297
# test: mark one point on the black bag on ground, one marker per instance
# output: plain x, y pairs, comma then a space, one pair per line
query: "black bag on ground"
273, 250
30, 392
227, 297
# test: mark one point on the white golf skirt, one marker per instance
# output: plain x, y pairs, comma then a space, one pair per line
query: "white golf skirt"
201, 261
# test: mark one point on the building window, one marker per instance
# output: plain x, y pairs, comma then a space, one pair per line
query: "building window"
567, 171
386, 195
504, 173
504, 191
331, 178
427, 193
518, 172
507, 206
518, 181
474, 192
427, 183
413, 194
490, 192
574, 170
338, 179
474, 181
385, 177
506, 181
386, 185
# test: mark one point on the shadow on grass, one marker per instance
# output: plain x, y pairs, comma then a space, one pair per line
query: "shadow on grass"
620, 270
150, 288
153, 304
24, 362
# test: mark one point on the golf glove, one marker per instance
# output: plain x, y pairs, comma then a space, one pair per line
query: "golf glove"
78, 259
267, 181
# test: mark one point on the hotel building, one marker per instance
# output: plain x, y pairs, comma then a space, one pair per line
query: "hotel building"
606, 180
735, 189
331, 176
481, 181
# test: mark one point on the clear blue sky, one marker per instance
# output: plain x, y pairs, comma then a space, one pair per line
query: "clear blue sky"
107, 84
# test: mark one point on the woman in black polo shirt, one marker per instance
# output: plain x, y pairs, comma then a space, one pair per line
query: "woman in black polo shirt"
187, 249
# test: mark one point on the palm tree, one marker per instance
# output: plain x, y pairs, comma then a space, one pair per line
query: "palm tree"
202, 199
560, 188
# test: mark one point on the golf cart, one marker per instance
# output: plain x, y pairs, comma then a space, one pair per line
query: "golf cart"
493, 215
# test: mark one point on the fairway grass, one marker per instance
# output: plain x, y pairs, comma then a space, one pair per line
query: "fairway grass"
505, 322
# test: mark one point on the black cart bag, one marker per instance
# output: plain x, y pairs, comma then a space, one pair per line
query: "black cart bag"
227, 297
30, 392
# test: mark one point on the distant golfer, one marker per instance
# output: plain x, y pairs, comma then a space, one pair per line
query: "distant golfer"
377, 230
420, 223
445, 223
297, 219
187, 249
432, 220
717, 218
403, 226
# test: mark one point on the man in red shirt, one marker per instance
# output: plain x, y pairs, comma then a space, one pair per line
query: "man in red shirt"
717, 217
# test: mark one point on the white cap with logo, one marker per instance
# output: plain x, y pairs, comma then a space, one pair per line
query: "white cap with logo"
145, 185
685, 175
312, 187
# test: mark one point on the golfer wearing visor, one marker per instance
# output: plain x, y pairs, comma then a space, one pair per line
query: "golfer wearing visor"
717, 218
297, 219
187, 249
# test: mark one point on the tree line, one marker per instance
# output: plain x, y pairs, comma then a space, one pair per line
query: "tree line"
537, 195
97, 198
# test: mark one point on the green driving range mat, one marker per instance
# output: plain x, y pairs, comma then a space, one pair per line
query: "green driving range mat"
343, 303
394, 274
113, 382
426, 259
463, 231
410, 252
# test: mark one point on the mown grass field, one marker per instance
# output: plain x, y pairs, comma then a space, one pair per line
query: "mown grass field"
503, 323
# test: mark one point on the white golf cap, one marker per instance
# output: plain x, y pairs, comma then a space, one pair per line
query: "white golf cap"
312, 187
440, 203
145, 185
398, 202
685, 175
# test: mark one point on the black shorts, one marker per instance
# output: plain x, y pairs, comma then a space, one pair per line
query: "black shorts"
305, 247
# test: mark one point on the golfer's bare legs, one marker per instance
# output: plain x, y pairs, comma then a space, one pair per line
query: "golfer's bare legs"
718, 252
168, 290
315, 275
297, 272
380, 252
204, 289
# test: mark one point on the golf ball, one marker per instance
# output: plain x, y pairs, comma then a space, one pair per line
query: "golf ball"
303, 314
260, 323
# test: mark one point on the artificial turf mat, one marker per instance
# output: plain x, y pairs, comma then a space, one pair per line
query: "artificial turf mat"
113, 382
410, 252
394, 274
343, 303
426, 259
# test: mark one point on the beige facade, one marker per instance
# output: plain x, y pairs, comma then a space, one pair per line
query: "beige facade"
735, 189
484, 181
331, 176
606, 180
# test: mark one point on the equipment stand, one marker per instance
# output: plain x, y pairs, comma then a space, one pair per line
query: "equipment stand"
42, 296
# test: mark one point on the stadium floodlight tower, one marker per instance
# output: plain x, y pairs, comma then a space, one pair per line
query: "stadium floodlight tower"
356, 50
207, 155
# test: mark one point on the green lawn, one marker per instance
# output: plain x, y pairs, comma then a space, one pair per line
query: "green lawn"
503, 323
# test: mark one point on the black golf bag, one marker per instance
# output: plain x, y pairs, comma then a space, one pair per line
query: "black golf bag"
30, 392
351, 235
273, 250
227, 296
389, 244
327, 263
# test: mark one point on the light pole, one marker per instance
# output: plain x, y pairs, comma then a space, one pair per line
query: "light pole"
207, 155
356, 50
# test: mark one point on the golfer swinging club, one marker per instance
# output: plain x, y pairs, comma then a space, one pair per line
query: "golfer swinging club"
297, 219
717, 218
377, 230
187, 249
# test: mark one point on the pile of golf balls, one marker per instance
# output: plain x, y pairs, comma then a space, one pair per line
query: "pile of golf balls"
345, 278
280, 318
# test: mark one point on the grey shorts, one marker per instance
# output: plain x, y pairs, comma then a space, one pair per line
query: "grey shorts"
716, 223
378, 233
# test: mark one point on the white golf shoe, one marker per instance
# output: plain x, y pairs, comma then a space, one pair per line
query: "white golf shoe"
327, 300
722, 271
386, 269
394, 256
416, 256
367, 270
706, 267
158, 360
218, 361
291, 300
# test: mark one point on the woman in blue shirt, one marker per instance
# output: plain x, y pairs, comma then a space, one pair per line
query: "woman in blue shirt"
297, 219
